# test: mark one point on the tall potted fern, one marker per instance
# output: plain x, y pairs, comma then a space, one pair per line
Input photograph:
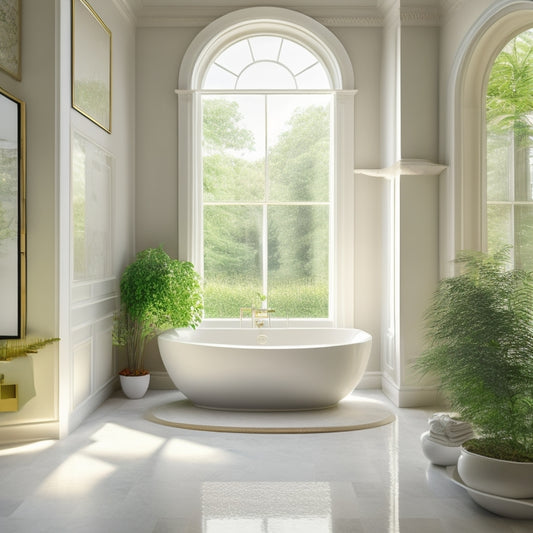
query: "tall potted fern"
156, 293
480, 345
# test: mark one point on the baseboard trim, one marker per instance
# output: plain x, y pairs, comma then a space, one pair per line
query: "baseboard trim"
160, 380
82, 411
24, 433
371, 380
412, 396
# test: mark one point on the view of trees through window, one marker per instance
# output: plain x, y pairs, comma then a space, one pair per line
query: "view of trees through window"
510, 151
266, 171
266, 203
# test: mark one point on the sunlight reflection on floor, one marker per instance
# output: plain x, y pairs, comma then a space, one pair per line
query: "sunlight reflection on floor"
77, 476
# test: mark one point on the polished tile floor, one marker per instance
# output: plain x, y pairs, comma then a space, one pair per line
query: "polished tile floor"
119, 472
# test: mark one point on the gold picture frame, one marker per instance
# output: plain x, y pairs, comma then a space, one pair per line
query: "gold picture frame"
10, 37
91, 65
12, 216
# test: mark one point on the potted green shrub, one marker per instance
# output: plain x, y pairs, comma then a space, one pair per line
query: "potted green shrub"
156, 293
480, 345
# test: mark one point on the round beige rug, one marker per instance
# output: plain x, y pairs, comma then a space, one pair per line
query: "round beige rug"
348, 415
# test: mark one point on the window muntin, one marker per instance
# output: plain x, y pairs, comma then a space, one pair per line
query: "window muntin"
267, 180
266, 62
509, 127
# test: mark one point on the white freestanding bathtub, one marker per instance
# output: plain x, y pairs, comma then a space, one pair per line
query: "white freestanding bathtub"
265, 369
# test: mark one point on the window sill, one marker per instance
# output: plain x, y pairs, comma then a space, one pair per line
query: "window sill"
274, 323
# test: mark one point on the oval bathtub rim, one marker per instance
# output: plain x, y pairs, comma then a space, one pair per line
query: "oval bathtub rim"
171, 335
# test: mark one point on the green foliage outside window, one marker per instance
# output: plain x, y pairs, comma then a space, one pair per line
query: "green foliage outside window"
289, 300
290, 180
509, 115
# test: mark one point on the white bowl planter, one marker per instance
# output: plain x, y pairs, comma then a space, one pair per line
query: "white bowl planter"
509, 479
438, 454
520, 508
135, 387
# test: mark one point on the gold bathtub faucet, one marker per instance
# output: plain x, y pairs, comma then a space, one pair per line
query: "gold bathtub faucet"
260, 316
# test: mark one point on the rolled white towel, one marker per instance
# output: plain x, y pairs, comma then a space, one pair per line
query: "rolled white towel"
445, 423
457, 434
446, 429
447, 441
442, 441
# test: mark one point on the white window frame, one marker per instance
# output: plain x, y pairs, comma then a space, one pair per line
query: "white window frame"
463, 192
511, 202
202, 50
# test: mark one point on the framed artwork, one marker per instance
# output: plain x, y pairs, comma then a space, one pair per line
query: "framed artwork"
12, 217
91, 65
10, 37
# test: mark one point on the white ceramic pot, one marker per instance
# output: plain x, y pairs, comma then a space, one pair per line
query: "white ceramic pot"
135, 387
509, 479
438, 454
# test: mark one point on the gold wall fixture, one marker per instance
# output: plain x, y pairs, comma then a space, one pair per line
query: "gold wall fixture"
8, 396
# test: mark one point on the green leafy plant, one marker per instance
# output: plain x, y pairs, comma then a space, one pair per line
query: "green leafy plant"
13, 348
480, 345
157, 293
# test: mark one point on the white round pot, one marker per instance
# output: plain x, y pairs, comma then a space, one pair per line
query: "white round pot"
509, 479
135, 387
438, 454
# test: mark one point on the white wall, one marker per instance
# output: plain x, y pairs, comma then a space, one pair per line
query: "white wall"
405, 56
64, 382
396, 68
364, 47
37, 376
94, 298
420, 92
159, 54
144, 143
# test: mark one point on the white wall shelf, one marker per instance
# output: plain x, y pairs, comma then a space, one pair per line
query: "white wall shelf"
404, 167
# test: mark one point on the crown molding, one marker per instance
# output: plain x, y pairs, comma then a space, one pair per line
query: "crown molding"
342, 13
174, 21
350, 18
198, 18
351, 22
420, 16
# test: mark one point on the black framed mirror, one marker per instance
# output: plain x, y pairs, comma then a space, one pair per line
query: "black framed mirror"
12, 217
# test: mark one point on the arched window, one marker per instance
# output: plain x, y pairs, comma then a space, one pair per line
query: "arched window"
509, 119
267, 178
266, 62
482, 207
